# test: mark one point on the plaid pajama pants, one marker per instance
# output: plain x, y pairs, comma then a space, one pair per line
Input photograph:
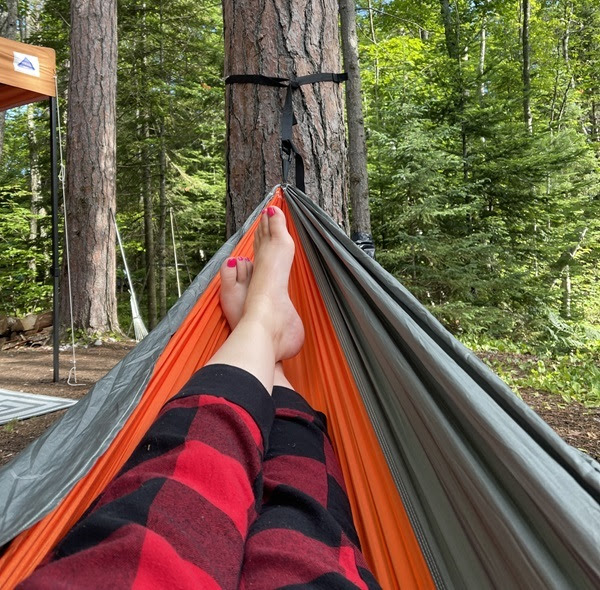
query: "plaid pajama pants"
230, 488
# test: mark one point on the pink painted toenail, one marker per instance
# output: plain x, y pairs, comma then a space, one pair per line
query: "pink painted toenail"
231, 262
240, 258
263, 211
270, 211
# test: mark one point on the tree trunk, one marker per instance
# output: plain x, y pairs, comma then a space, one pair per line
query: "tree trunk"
566, 287
37, 208
146, 186
283, 39
527, 117
482, 52
12, 16
564, 263
595, 120
162, 225
162, 190
2, 126
9, 31
452, 34
357, 143
29, 25
149, 249
91, 165
450, 30
149, 242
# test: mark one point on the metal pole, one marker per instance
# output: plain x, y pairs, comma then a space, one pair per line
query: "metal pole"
55, 261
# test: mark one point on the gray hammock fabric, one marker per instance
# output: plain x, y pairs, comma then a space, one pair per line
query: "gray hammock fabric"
496, 498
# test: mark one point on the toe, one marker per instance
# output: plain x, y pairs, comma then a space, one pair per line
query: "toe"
242, 270
229, 273
263, 225
276, 220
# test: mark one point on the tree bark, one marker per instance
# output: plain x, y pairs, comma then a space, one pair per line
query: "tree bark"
162, 225
357, 143
451, 31
482, 55
29, 25
595, 120
567, 292
162, 190
450, 20
37, 207
147, 199
564, 264
527, 116
283, 39
91, 165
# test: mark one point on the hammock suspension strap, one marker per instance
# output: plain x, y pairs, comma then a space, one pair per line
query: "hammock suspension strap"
289, 152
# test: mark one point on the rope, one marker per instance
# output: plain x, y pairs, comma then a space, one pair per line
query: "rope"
61, 176
139, 328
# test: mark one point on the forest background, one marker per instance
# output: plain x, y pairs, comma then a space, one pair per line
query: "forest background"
483, 144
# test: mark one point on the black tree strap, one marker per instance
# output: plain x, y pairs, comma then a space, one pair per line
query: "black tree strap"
289, 151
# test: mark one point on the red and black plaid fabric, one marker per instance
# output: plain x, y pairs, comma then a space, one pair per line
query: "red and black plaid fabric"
203, 504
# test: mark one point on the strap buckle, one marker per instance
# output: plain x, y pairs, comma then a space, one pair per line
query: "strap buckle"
288, 152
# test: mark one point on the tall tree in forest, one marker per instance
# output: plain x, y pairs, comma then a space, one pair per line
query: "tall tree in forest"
146, 164
287, 40
170, 144
360, 225
452, 31
8, 29
526, 49
91, 165
29, 26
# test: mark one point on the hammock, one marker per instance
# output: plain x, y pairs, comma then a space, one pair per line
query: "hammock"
454, 482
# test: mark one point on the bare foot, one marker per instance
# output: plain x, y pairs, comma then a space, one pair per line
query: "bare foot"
269, 329
267, 301
235, 280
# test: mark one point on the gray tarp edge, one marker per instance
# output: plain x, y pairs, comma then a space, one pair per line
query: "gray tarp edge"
37, 480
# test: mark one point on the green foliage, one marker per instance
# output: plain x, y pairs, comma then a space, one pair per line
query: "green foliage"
171, 103
573, 376
23, 264
486, 223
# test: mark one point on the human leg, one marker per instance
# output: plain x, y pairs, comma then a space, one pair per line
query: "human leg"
304, 536
178, 513
269, 329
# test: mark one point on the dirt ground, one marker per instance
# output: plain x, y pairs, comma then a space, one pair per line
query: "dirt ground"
30, 370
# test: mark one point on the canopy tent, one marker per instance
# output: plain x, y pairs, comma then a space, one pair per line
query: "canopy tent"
28, 74
454, 482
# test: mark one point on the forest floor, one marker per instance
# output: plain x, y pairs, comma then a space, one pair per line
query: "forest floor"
30, 370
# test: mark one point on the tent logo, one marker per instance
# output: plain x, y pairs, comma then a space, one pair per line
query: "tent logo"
26, 64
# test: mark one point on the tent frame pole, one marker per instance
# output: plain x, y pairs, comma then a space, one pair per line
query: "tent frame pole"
55, 257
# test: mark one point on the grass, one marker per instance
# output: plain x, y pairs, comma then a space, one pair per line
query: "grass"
572, 375
10, 426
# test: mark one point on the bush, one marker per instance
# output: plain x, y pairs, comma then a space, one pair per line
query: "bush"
24, 264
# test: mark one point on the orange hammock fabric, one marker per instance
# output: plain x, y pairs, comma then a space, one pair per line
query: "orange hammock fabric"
320, 372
